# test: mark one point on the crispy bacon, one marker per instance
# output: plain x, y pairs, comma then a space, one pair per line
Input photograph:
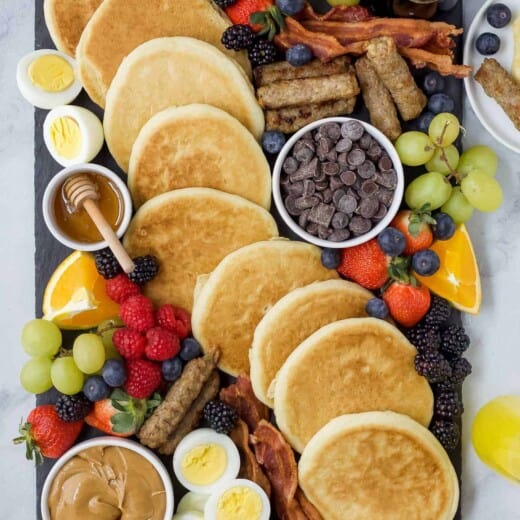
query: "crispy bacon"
310, 511
420, 58
340, 13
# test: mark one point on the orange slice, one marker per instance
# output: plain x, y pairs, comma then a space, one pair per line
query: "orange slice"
458, 279
75, 296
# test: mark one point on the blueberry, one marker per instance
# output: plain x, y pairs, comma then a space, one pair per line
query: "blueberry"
441, 102
391, 241
290, 7
96, 389
114, 373
426, 262
444, 228
190, 349
330, 258
377, 308
488, 44
273, 141
498, 15
433, 82
298, 55
423, 121
171, 369
446, 5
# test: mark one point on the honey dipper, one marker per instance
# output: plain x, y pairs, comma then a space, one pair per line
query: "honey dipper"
81, 193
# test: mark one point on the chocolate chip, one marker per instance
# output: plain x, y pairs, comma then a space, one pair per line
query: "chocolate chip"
290, 165
385, 196
303, 218
330, 168
307, 136
332, 156
337, 196
322, 185
374, 152
327, 195
356, 157
381, 212
324, 145
303, 155
365, 141
387, 180
308, 188
348, 177
320, 175
366, 170
385, 163
352, 129
290, 204
347, 204
303, 143
306, 202
340, 220
332, 130
295, 189
322, 214
368, 188
368, 207
359, 225
339, 235
344, 145
335, 183
342, 159
312, 228
306, 171
324, 232
285, 182
319, 195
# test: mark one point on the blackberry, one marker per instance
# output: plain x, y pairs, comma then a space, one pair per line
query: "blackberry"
220, 416
447, 433
238, 37
225, 3
460, 369
439, 312
72, 408
454, 341
106, 264
433, 366
423, 338
262, 52
448, 404
146, 268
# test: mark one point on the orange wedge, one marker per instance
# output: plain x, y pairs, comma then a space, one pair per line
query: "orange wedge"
75, 296
458, 279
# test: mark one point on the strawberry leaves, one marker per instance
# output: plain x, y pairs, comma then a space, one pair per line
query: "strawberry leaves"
131, 412
418, 217
271, 20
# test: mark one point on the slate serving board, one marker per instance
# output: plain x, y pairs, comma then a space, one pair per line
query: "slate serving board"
49, 252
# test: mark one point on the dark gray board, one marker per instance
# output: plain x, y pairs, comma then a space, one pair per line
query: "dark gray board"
49, 252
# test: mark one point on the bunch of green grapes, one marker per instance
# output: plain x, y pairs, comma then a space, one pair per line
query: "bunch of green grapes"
473, 173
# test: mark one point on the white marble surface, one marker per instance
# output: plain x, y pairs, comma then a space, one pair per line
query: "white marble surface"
495, 353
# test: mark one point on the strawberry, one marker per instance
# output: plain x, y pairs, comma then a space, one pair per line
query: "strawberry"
174, 319
120, 414
120, 288
240, 12
366, 264
137, 313
143, 377
129, 343
162, 344
415, 226
46, 435
407, 303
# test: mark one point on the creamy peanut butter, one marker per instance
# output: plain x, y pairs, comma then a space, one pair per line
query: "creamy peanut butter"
107, 483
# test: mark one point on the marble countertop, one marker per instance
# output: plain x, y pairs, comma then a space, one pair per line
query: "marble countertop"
494, 352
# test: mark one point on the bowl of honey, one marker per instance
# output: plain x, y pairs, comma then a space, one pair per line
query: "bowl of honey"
73, 227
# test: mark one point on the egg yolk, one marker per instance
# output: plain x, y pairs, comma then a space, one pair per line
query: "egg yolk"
239, 503
51, 73
204, 464
65, 136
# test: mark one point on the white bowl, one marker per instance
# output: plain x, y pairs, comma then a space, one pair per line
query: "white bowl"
54, 185
392, 210
110, 441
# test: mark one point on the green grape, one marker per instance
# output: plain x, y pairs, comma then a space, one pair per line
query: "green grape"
88, 353
444, 129
478, 158
41, 338
66, 376
458, 207
444, 160
431, 188
482, 191
414, 148
36, 375
106, 330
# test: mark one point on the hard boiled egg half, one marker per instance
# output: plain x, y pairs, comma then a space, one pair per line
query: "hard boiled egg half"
47, 78
205, 460
72, 134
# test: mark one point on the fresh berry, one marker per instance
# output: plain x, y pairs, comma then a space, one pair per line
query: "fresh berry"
447, 404
143, 378
114, 372
433, 82
71, 408
290, 7
262, 52
407, 303
273, 141
415, 226
46, 435
461, 368
426, 262
447, 433
444, 227
433, 366
190, 349
391, 241
366, 264
106, 263
220, 416
377, 308
423, 338
423, 121
330, 258
240, 11
137, 313
129, 343
438, 313
298, 55
238, 37
454, 341
95, 388
121, 288
171, 369
224, 3
146, 269
440, 103
498, 15
162, 344
175, 320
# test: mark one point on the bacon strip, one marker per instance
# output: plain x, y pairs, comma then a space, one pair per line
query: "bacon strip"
420, 58
340, 13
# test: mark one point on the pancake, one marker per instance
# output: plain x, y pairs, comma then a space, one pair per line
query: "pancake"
104, 44
294, 318
350, 366
242, 288
170, 72
191, 231
66, 20
378, 466
198, 145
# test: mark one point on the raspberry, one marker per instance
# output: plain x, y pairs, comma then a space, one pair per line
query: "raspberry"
120, 288
137, 313
129, 343
175, 320
143, 378
162, 344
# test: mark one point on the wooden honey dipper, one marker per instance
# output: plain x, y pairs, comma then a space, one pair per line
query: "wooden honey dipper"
81, 193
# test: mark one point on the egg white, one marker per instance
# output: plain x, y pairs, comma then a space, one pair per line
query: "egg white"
206, 436
192, 502
91, 129
35, 95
